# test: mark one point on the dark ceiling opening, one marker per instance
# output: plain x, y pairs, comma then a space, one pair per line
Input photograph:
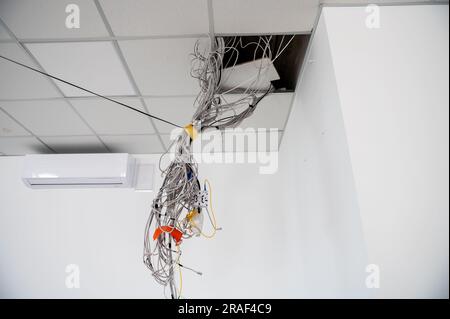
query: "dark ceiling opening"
288, 63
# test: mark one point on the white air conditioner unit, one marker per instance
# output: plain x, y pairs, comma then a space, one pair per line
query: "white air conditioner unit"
79, 170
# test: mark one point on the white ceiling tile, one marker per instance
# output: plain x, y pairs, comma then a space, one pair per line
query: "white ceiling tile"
264, 141
264, 16
106, 117
271, 112
22, 146
47, 117
178, 110
17, 82
133, 144
75, 144
3, 33
9, 127
166, 140
156, 17
30, 19
93, 65
162, 66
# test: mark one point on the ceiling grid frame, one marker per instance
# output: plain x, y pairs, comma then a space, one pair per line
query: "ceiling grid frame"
88, 97
16, 41
127, 70
28, 130
65, 97
58, 89
113, 39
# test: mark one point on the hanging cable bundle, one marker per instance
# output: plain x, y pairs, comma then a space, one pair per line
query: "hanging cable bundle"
178, 208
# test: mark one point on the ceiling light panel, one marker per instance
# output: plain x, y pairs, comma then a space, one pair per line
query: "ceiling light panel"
178, 110
47, 117
264, 16
92, 65
22, 145
75, 144
156, 17
106, 117
133, 144
31, 19
19, 83
163, 66
9, 127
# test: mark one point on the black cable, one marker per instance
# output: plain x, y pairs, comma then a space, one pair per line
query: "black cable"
89, 91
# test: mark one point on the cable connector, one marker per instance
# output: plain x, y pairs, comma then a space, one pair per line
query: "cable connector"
201, 199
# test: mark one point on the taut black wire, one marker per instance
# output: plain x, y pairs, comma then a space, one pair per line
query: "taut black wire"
89, 91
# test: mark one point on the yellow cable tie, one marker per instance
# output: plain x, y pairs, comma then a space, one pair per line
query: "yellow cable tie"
192, 132
191, 214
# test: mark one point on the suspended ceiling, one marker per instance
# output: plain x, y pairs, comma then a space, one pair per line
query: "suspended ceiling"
134, 51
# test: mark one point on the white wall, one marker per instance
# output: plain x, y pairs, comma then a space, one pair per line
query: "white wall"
318, 191
101, 230
393, 90
42, 231
259, 253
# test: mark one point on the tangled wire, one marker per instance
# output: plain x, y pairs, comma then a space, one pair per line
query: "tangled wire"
178, 208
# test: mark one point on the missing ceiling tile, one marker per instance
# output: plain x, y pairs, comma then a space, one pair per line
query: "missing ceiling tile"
286, 67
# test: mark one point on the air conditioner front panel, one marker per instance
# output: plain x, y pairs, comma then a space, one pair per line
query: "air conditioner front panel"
78, 170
